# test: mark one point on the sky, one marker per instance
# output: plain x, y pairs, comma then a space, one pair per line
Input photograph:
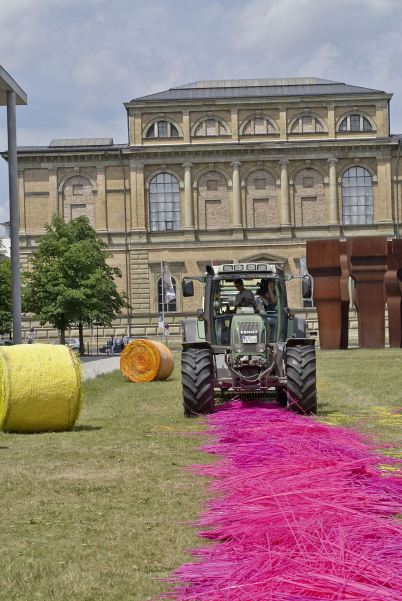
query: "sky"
79, 60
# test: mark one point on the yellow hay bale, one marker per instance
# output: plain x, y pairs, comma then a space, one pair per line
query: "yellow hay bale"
40, 388
143, 361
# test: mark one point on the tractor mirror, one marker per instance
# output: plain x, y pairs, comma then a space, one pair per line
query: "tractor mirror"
306, 286
187, 288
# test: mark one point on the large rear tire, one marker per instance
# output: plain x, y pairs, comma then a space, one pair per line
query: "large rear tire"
196, 377
302, 380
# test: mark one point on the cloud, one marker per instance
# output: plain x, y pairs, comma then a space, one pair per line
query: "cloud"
79, 61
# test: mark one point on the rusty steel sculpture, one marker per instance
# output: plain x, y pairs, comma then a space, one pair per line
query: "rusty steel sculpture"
324, 264
393, 289
375, 265
368, 258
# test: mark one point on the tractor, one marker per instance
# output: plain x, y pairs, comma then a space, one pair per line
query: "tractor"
239, 346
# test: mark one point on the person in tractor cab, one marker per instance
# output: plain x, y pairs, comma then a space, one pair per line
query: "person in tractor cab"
266, 295
244, 297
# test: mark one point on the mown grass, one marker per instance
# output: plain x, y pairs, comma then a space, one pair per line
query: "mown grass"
94, 514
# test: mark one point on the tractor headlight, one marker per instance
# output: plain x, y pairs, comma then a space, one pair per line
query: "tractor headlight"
260, 348
238, 348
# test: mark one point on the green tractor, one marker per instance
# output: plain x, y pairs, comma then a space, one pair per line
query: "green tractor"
249, 345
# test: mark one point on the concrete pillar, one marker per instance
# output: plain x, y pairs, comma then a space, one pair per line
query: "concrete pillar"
285, 192
333, 193
14, 217
188, 197
237, 220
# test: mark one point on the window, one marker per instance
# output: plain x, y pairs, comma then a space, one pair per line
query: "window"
211, 127
308, 182
306, 124
355, 122
162, 129
357, 197
212, 184
258, 126
169, 307
164, 203
78, 189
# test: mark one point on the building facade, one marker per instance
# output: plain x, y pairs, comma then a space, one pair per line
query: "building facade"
220, 171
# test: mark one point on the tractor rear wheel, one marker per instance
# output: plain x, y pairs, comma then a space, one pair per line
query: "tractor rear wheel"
196, 377
302, 381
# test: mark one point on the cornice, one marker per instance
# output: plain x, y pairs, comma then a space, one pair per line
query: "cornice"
216, 152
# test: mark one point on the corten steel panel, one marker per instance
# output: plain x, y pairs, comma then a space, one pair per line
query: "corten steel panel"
324, 264
393, 298
367, 256
393, 286
345, 301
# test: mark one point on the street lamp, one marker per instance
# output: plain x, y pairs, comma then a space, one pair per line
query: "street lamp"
11, 95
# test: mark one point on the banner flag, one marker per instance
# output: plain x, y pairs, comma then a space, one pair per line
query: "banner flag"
168, 293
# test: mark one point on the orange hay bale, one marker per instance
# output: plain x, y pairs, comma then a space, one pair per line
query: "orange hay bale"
144, 361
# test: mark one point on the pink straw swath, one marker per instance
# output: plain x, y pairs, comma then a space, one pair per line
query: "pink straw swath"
299, 510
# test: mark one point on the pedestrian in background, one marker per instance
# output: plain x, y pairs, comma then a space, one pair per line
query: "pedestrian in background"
31, 336
111, 343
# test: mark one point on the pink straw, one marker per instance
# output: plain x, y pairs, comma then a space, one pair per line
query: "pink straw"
299, 510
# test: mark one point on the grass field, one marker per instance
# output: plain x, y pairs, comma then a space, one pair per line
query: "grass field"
94, 514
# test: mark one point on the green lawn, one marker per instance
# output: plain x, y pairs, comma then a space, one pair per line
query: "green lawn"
94, 514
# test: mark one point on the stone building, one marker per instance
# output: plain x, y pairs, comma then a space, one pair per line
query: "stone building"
220, 170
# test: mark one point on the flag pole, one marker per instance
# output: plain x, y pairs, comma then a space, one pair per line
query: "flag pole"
163, 306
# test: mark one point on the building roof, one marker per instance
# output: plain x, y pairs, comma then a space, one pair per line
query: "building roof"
256, 88
7, 84
82, 142
75, 148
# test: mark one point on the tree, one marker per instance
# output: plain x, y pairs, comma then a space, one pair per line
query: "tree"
70, 281
6, 305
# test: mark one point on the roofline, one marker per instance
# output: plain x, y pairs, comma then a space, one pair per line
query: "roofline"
12, 86
234, 145
137, 102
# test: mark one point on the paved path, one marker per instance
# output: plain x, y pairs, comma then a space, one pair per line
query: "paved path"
99, 366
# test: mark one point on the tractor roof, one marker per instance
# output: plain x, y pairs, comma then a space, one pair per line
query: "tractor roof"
238, 269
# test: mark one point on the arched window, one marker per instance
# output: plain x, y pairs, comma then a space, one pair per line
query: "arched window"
306, 124
258, 126
211, 127
169, 307
164, 203
357, 197
162, 129
355, 123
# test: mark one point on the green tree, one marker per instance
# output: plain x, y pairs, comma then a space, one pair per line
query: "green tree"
6, 305
70, 281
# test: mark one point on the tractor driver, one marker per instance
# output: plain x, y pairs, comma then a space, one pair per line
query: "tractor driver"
243, 297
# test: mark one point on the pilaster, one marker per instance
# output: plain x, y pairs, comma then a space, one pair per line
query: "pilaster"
186, 127
237, 218
21, 202
333, 193
101, 224
234, 124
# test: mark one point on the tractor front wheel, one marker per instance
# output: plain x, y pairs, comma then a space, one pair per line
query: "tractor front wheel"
302, 381
196, 378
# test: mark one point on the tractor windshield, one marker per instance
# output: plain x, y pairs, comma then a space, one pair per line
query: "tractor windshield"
239, 295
